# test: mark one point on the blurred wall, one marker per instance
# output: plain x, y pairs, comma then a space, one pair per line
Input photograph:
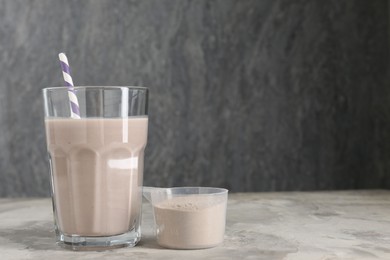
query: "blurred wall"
250, 95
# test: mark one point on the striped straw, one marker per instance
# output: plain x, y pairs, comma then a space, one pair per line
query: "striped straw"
74, 103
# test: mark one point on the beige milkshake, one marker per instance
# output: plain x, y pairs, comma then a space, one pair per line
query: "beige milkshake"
97, 168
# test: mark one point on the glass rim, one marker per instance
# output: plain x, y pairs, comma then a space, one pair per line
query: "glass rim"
214, 191
95, 87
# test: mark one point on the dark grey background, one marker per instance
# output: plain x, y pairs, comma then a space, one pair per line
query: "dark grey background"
250, 95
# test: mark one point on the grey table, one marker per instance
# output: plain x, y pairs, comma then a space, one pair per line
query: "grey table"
296, 225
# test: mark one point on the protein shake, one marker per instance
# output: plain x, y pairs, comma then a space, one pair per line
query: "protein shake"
97, 172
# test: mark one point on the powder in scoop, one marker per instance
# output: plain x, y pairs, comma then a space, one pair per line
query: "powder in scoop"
190, 222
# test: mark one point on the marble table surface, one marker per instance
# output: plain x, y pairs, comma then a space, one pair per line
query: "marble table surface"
288, 225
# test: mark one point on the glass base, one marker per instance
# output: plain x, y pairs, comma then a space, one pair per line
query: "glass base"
80, 243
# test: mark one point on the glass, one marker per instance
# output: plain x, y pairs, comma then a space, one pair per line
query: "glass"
96, 164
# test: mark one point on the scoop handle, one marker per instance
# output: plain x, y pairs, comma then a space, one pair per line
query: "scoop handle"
147, 192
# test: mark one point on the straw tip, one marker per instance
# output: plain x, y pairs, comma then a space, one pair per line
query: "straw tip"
61, 55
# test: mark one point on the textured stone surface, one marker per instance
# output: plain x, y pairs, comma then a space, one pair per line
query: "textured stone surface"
248, 95
315, 225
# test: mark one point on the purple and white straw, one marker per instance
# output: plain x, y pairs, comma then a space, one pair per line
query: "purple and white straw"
74, 103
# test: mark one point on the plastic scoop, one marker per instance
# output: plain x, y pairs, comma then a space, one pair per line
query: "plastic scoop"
188, 217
